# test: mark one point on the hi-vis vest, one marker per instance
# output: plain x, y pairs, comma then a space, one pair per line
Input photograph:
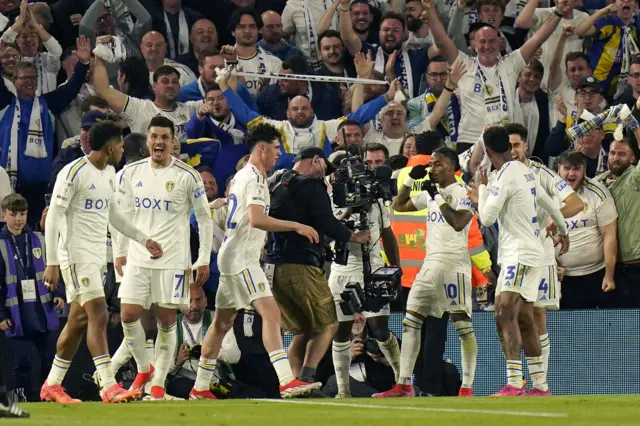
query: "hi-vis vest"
410, 229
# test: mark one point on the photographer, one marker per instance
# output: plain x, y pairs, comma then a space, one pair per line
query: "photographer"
300, 286
352, 272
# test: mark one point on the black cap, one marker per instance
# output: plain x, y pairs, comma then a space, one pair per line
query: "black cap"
92, 117
590, 83
313, 151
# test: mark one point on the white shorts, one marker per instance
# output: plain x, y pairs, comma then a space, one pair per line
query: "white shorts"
522, 279
548, 290
84, 282
241, 290
169, 288
337, 284
435, 292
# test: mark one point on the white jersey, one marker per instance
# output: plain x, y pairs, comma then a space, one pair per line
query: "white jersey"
243, 243
586, 250
85, 192
139, 112
512, 200
446, 249
186, 75
262, 62
558, 190
159, 202
378, 219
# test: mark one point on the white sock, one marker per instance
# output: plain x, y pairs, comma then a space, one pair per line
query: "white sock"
206, 370
537, 373
58, 371
280, 363
514, 373
341, 354
165, 350
391, 351
150, 349
120, 358
105, 371
469, 349
411, 327
546, 351
134, 337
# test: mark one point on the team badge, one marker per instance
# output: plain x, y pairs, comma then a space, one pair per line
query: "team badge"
488, 89
586, 207
448, 199
37, 252
85, 281
169, 185
111, 185
261, 286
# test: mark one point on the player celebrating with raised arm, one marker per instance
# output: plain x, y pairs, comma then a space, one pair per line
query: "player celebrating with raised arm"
512, 201
157, 194
242, 280
80, 211
444, 281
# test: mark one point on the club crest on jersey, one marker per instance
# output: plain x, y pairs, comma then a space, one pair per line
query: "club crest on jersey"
169, 185
586, 207
488, 89
111, 185
85, 281
261, 286
37, 252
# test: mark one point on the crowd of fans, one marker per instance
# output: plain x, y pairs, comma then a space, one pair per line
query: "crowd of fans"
452, 68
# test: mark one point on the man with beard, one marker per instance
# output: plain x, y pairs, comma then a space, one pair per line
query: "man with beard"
623, 180
154, 49
272, 37
215, 137
487, 89
302, 129
138, 112
335, 61
419, 33
273, 100
28, 35
204, 38
408, 65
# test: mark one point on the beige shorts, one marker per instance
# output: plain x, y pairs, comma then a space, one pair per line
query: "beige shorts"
84, 282
169, 288
522, 279
436, 291
337, 284
241, 290
548, 289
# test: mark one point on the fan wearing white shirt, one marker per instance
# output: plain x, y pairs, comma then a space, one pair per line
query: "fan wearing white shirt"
242, 280
76, 224
487, 90
560, 192
512, 201
154, 50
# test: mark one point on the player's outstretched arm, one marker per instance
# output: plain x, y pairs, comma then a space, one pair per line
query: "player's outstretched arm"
573, 205
552, 209
259, 220
490, 202
457, 219
402, 202
205, 229
126, 228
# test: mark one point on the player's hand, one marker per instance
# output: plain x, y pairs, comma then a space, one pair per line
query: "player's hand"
5, 325
563, 241
154, 248
308, 232
472, 194
552, 228
50, 277
560, 270
430, 187
58, 302
482, 175
360, 237
183, 355
43, 219
608, 284
357, 348
118, 263
202, 275
418, 172
217, 203
115, 319
229, 53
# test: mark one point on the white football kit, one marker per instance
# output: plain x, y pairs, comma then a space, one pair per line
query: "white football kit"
242, 280
558, 190
513, 200
444, 281
262, 62
340, 275
159, 202
76, 236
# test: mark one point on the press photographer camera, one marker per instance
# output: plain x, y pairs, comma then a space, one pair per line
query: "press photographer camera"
194, 351
359, 193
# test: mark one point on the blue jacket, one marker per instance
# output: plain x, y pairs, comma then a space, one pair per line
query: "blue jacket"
192, 92
286, 51
211, 286
36, 170
325, 100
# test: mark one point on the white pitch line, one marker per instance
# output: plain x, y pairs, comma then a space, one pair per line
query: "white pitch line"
439, 409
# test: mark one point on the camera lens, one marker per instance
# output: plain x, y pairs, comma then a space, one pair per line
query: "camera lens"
196, 352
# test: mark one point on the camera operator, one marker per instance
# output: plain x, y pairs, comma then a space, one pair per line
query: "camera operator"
352, 272
300, 286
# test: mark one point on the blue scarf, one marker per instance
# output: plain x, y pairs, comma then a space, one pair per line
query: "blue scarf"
448, 125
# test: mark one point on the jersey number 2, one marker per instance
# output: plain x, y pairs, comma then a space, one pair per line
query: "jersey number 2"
535, 209
233, 205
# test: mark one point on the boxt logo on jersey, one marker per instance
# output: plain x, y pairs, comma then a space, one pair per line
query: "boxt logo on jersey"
153, 204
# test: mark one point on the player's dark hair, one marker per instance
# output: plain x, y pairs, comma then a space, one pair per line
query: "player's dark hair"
374, 146
236, 17
161, 121
102, 133
397, 162
394, 15
94, 101
572, 158
428, 142
134, 145
497, 139
574, 56
165, 70
207, 53
329, 34
517, 129
262, 133
136, 74
15, 203
450, 155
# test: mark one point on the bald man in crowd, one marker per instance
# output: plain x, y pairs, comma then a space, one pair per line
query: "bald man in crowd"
272, 37
154, 50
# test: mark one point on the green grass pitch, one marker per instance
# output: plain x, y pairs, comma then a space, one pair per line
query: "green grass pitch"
521, 411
